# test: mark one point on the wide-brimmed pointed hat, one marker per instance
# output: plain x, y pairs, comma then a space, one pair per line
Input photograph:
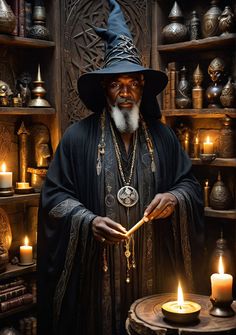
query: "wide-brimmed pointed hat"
121, 56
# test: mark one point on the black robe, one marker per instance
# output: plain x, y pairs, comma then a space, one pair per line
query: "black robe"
75, 295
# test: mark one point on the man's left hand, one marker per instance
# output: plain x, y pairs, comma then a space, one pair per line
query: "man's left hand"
161, 206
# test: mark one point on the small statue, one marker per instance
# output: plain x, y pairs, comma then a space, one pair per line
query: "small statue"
213, 92
24, 82
42, 153
41, 139
5, 94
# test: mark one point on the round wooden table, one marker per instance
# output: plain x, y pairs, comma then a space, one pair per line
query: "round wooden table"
145, 317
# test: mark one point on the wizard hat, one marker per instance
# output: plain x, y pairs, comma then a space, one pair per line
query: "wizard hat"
121, 56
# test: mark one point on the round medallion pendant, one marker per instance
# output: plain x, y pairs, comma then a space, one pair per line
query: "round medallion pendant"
127, 196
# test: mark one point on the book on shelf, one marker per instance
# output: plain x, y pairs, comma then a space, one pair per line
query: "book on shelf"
14, 283
12, 293
10, 304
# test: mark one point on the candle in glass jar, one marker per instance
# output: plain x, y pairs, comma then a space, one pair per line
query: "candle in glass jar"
221, 284
26, 252
208, 146
5, 177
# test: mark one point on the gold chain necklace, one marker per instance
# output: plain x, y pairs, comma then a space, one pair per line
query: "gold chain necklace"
127, 195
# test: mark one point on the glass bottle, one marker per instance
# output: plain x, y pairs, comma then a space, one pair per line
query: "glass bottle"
183, 99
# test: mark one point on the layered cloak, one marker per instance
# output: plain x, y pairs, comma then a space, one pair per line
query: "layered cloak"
75, 295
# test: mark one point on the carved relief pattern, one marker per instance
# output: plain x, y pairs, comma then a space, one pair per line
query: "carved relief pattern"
84, 50
5, 143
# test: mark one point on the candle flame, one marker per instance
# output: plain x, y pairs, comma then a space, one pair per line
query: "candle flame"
221, 266
208, 140
26, 241
196, 140
180, 296
4, 167
206, 183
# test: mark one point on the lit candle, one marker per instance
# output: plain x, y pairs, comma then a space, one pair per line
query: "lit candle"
22, 185
208, 146
5, 177
221, 284
196, 148
26, 252
181, 310
206, 194
186, 144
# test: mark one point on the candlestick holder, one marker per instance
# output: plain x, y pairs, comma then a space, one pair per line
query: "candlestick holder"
6, 192
207, 157
221, 308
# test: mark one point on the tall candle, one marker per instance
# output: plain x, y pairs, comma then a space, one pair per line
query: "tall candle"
208, 146
5, 177
26, 252
221, 284
196, 148
206, 194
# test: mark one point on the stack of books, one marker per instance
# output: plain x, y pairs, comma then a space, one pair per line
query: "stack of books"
22, 10
14, 294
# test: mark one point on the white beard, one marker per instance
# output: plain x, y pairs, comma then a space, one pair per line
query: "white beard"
126, 120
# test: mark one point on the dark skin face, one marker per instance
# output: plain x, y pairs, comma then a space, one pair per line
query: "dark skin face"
124, 89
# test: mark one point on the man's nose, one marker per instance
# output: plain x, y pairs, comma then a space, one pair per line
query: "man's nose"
124, 92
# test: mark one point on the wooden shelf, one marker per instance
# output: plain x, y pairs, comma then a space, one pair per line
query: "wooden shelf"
18, 198
201, 113
223, 214
216, 42
26, 111
17, 270
25, 42
17, 310
228, 162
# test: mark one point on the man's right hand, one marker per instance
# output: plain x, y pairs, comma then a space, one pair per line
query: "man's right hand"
106, 230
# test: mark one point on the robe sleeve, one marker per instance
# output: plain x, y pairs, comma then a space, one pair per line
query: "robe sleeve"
62, 220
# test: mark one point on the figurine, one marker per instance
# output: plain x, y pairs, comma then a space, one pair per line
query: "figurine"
213, 92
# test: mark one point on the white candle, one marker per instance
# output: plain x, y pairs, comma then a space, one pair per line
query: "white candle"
221, 284
208, 146
26, 252
5, 177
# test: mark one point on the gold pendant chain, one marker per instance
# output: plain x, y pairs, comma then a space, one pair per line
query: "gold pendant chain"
118, 157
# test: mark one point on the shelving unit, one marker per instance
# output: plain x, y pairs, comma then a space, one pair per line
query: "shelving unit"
22, 54
189, 54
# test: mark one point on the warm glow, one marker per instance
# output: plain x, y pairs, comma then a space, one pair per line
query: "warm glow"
180, 296
196, 140
221, 266
206, 183
26, 241
208, 140
4, 168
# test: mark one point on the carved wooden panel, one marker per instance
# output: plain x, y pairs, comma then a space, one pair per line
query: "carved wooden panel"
83, 49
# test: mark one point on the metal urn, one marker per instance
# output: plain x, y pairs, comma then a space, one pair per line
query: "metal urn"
220, 196
7, 18
176, 31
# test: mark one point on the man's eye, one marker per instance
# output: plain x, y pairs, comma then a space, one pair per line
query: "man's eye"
135, 84
114, 84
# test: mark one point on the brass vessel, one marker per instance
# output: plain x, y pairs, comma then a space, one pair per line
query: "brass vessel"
7, 18
39, 92
176, 31
220, 196
210, 26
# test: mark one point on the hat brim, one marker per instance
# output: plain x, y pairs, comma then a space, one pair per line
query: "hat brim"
91, 91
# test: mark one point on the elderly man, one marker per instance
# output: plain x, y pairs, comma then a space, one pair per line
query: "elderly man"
112, 169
